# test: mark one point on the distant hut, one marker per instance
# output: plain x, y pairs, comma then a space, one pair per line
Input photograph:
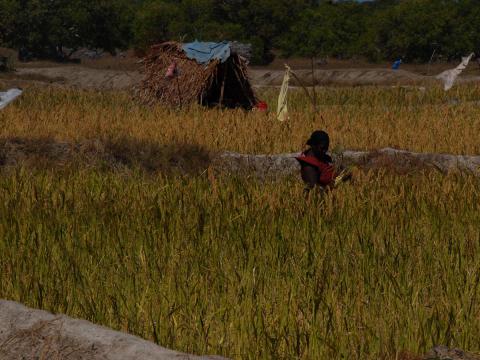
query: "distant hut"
211, 74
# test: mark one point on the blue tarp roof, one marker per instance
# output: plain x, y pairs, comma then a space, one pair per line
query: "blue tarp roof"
204, 52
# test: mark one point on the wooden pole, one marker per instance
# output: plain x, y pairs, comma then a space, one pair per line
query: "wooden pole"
242, 85
179, 93
302, 85
313, 83
430, 61
223, 84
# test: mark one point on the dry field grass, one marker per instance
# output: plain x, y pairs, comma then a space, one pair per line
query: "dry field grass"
208, 263
356, 118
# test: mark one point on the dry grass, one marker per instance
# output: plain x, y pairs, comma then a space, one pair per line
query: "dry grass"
358, 118
384, 266
248, 270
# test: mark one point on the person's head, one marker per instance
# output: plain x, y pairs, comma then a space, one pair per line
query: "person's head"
319, 142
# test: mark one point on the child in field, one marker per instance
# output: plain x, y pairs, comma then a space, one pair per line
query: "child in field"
317, 168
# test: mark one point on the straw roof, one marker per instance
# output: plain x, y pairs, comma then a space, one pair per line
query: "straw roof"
212, 84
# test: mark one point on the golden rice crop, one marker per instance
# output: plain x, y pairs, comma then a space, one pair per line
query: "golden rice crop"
356, 118
241, 267
250, 270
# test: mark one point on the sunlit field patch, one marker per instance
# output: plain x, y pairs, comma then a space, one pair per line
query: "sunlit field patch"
356, 118
242, 267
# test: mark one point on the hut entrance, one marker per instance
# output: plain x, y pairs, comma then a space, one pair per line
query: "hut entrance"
229, 87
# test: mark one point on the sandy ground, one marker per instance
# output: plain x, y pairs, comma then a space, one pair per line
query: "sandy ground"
124, 71
347, 77
104, 79
31, 334
76, 76
113, 79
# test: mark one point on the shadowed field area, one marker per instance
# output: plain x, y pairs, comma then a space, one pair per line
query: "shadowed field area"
96, 225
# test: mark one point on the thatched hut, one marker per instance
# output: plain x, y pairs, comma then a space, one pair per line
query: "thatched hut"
217, 82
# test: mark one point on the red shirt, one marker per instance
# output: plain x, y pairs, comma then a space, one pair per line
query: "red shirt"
325, 168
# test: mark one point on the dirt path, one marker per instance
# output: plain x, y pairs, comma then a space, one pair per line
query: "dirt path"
77, 76
85, 77
35, 334
347, 77
350, 77
105, 79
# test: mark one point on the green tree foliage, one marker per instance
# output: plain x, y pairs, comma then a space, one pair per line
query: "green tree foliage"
8, 8
415, 28
45, 27
264, 21
329, 29
379, 30
158, 21
386, 29
260, 22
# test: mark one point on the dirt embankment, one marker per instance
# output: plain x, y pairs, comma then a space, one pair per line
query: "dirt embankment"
104, 71
123, 154
75, 76
346, 77
127, 154
107, 79
34, 334
350, 77
397, 161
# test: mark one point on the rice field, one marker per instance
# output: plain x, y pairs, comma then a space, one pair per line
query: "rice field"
356, 118
235, 266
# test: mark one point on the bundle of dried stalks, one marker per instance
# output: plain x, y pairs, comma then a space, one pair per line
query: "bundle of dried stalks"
224, 84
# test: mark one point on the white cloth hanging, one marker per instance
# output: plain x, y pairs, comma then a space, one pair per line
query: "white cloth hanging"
8, 96
282, 107
449, 76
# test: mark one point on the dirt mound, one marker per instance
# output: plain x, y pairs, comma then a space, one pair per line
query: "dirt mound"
105, 79
397, 161
129, 154
120, 154
441, 352
347, 77
82, 77
34, 334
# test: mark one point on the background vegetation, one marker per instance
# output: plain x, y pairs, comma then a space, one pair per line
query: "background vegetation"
210, 263
378, 30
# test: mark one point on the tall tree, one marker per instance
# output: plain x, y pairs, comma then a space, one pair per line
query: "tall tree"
329, 29
259, 22
45, 27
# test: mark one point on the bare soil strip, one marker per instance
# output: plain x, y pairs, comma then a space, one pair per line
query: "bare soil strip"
105, 79
78, 76
400, 161
35, 334
128, 153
